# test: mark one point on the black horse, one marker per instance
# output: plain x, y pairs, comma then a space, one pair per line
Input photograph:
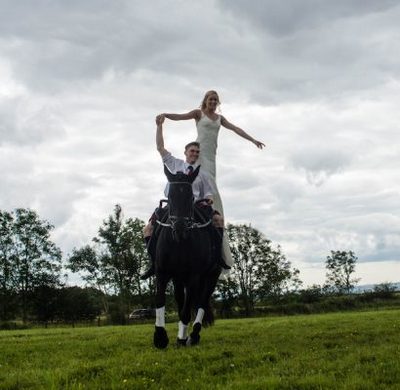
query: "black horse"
184, 254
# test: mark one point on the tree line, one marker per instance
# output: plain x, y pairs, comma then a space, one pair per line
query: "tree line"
33, 286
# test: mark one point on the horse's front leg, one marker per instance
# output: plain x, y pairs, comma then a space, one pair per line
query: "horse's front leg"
179, 292
160, 338
204, 311
194, 338
191, 298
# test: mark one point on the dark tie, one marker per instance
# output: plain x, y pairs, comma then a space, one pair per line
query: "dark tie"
189, 170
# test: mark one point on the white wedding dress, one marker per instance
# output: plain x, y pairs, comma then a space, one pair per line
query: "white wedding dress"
207, 136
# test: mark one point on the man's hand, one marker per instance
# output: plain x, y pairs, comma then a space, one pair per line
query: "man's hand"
207, 202
159, 136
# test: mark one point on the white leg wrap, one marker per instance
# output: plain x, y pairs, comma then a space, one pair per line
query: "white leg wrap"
183, 330
199, 316
160, 317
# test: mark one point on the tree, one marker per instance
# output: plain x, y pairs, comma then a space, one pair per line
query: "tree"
384, 290
244, 242
78, 304
44, 303
7, 293
116, 261
227, 294
340, 266
37, 260
124, 253
276, 274
259, 270
29, 258
86, 261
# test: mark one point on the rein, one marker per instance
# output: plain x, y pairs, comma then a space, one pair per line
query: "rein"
193, 225
190, 223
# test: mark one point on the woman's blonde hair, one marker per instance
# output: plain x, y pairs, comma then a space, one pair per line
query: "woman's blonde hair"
208, 93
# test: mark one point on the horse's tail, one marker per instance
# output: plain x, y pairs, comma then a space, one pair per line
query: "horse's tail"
211, 279
208, 318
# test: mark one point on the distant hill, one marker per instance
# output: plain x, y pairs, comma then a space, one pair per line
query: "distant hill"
370, 287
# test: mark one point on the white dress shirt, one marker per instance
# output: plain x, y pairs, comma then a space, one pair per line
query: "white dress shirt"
201, 186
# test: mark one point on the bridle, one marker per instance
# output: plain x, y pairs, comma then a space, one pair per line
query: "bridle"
188, 221
180, 205
190, 225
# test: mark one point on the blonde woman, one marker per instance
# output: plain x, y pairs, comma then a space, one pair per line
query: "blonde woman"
208, 123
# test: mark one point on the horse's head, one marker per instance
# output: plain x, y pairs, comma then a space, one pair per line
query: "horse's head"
180, 200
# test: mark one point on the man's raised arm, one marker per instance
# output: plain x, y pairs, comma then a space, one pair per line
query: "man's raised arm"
160, 137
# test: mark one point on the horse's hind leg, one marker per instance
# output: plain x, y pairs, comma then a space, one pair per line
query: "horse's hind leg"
160, 338
179, 293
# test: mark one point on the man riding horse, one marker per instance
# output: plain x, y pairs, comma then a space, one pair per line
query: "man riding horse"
202, 193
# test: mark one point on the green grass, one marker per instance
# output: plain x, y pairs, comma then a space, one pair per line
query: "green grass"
352, 350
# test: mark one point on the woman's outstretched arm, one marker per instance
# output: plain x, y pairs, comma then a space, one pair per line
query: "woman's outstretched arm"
194, 114
240, 132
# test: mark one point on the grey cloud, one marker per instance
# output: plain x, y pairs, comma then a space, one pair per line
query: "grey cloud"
239, 178
16, 170
320, 162
287, 189
27, 122
379, 247
125, 37
283, 18
52, 194
321, 219
117, 35
313, 246
383, 252
57, 193
85, 80
321, 54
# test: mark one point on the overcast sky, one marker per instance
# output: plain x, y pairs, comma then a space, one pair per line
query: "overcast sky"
316, 80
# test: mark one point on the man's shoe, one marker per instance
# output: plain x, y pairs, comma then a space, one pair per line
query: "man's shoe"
148, 273
222, 263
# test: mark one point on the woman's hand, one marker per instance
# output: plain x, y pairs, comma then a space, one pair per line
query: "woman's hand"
160, 119
259, 144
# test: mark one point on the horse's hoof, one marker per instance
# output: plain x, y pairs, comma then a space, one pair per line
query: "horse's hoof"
181, 342
193, 340
160, 338
194, 337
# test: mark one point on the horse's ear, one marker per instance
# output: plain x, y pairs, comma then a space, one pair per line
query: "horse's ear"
169, 175
194, 174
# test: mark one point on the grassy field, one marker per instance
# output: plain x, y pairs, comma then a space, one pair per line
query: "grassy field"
352, 350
